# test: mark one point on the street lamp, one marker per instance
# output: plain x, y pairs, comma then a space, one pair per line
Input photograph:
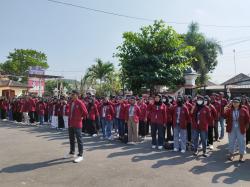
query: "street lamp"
190, 76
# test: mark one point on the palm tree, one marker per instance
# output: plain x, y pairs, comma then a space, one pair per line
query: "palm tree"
99, 72
205, 53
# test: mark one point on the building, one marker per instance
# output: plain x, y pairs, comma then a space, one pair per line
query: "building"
10, 88
235, 86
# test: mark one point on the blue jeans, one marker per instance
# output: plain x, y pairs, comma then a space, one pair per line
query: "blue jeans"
180, 138
10, 115
41, 119
234, 137
121, 126
106, 128
157, 128
222, 125
203, 136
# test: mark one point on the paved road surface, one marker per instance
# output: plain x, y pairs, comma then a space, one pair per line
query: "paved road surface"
32, 156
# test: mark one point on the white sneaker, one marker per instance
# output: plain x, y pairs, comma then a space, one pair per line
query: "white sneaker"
211, 147
176, 150
94, 135
69, 156
183, 151
78, 159
160, 147
153, 146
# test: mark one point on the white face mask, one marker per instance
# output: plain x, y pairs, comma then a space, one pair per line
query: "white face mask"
199, 102
164, 100
170, 100
205, 102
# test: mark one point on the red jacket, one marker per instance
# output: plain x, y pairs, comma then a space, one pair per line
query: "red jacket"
214, 115
41, 108
143, 113
158, 114
170, 113
122, 110
79, 112
184, 117
109, 115
204, 118
25, 106
244, 120
217, 106
223, 103
93, 112
32, 105
137, 112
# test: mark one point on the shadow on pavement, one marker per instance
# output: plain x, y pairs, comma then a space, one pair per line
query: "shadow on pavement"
33, 166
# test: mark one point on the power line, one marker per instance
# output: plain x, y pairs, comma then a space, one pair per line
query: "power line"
141, 18
235, 43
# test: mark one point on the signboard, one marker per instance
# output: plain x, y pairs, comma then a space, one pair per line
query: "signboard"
36, 70
37, 85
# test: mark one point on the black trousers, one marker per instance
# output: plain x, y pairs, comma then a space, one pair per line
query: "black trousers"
142, 128
91, 127
60, 122
169, 132
32, 117
210, 135
189, 132
3, 114
216, 133
19, 116
247, 136
75, 133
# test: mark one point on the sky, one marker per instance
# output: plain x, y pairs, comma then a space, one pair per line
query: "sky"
72, 38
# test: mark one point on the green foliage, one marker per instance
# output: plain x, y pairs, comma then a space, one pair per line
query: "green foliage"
19, 61
157, 55
50, 85
205, 53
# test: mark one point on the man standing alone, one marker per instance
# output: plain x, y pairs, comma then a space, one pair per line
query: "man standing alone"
77, 111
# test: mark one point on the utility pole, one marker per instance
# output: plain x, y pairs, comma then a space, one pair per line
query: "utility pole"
234, 62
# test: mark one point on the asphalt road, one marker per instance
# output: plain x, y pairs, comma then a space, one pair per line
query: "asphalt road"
33, 156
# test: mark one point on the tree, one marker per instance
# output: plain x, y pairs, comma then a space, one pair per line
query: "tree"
205, 53
19, 61
99, 72
50, 85
157, 55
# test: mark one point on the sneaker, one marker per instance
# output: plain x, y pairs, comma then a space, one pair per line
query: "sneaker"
195, 153
211, 147
153, 146
176, 150
69, 156
78, 159
183, 151
160, 147
205, 155
94, 135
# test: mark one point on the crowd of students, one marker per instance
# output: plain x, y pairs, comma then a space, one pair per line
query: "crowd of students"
188, 122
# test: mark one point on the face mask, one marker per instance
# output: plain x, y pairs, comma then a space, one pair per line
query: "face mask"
164, 100
170, 100
199, 102
205, 102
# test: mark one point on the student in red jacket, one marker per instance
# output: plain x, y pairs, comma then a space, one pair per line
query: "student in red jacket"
41, 110
132, 119
170, 110
201, 117
32, 109
217, 106
237, 119
223, 103
211, 123
245, 103
143, 118
93, 114
77, 110
180, 120
107, 112
158, 118
120, 108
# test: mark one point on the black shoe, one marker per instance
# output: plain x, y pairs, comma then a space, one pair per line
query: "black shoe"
205, 155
